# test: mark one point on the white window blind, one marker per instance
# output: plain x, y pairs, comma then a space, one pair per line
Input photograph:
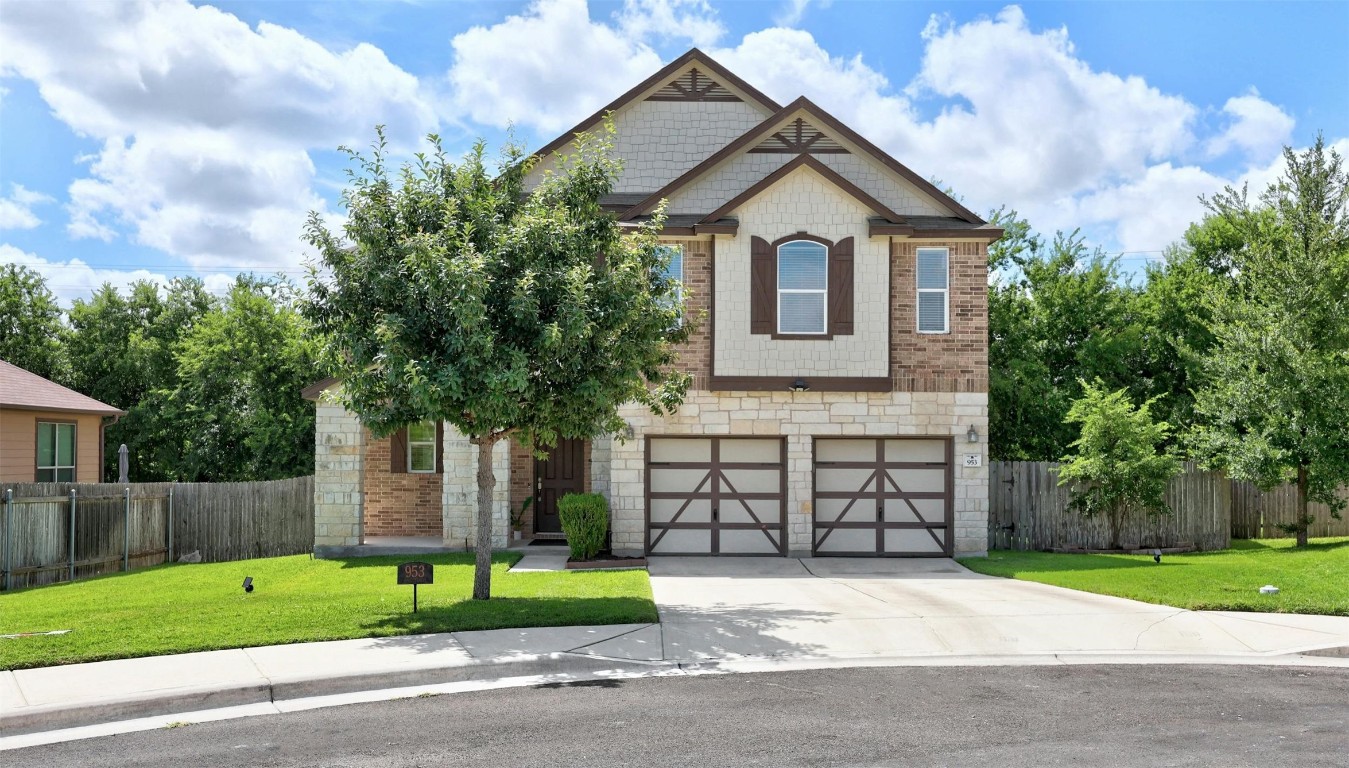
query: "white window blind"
803, 269
422, 447
933, 290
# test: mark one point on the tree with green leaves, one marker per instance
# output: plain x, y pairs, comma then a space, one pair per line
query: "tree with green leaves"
1274, 400
1119, 465
30, 323
458, 295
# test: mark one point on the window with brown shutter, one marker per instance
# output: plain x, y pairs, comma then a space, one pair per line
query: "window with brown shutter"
841, 287
763, 297
398, 452
764, 288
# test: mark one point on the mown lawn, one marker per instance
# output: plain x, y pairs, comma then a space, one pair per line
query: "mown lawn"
180, 608
1311, 580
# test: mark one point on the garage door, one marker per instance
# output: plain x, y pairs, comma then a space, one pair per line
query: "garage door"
883, 497
716, 496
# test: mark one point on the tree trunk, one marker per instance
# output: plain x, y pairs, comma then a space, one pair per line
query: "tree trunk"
1302, 520
487, 482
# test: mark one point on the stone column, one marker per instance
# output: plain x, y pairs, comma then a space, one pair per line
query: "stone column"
460, 492
339, 469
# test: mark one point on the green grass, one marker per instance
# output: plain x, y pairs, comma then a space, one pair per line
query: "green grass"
1311, 580
180, 608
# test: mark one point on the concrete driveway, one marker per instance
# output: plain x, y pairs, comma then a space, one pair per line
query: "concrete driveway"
730, 608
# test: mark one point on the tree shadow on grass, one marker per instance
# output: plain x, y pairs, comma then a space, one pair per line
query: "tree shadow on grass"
1069, 563
513, 612
446, 559
1264, 545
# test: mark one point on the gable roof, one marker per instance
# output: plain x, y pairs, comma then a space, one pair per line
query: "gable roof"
667, 72
25, 390
765, 130
806, 161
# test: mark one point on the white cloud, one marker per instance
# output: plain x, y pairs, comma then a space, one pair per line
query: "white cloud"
550, 66
205, 123
793, 11
1257, 128
16, 211
74, 279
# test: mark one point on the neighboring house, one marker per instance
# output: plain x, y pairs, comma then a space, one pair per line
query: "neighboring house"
49, 434
840, 398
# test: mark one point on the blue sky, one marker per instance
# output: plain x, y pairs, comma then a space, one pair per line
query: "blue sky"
147, 140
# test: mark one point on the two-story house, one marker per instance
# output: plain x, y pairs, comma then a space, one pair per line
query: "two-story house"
840, 371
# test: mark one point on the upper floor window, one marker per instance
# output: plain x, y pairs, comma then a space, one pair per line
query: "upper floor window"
933, 290
422, 447
803, 287
675, 270
55, 452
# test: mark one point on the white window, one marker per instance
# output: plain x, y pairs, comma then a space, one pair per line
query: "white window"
675, 270
803, 268
933, 290
422, 447
55, 452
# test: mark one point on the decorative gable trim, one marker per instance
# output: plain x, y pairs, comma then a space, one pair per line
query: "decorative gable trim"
693, 85
807, 161
762, 131
800, 137
668, 72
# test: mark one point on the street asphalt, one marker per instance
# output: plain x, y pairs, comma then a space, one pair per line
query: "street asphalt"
1153, 716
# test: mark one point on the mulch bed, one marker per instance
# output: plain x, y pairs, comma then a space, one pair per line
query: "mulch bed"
605, 560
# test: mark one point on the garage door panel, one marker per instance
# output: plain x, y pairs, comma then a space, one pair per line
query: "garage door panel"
915, 480
845, 510
845, 540
845, 480
910, 480
749, 542
730, 491
739, 511
682, 541
679, 480
735, 481
670, 450
915, 510
915, 540
694, 510
915, 450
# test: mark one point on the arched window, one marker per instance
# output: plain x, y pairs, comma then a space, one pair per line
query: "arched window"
803, 287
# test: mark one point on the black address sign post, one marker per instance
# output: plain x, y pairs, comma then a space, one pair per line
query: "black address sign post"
415, 573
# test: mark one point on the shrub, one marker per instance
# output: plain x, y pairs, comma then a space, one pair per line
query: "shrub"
585, 521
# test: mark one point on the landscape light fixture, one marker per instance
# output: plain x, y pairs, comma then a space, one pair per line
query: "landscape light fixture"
1156, 555
248, 583
799, 385
972, 435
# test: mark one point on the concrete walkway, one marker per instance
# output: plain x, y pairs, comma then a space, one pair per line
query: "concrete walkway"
717, 614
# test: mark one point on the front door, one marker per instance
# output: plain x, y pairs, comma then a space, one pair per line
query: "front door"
563, 472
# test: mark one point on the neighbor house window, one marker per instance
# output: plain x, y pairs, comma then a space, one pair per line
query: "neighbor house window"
675, 271
55, 452
422, 447
933, 290
803, 268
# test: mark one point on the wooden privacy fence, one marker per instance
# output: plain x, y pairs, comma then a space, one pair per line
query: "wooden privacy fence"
1256, 514
1029, 511
64, 531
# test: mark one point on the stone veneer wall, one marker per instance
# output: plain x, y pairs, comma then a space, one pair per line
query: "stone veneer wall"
403, 504
459, 506
800, 416
338, 476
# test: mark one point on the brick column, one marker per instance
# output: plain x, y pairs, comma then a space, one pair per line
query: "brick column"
460, 491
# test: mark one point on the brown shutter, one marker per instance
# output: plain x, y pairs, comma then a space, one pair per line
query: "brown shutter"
763, 287
398, 452
841, 288
440, 447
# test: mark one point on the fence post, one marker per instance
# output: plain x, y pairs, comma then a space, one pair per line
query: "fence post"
170, 546
9, 531
126, 529
72, 534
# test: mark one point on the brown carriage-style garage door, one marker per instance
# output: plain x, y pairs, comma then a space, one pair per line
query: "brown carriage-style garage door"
887, 497
716, 496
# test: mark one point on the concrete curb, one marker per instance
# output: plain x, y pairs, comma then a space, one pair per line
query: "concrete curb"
563, 666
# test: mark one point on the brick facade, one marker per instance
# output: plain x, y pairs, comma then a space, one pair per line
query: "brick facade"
398, 504
940, 362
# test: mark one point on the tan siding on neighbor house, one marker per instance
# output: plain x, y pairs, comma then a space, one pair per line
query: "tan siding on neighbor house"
18, 444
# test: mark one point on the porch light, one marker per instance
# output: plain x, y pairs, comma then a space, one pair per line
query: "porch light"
799, 385
972, 435
628, 431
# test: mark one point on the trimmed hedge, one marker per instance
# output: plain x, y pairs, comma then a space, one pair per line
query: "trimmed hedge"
585, 521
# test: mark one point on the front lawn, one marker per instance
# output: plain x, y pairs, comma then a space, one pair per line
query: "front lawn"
180, 608
1311, 580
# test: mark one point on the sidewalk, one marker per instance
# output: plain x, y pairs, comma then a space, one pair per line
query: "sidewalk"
731, 615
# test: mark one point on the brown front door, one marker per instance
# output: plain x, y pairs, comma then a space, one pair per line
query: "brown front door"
563, 472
